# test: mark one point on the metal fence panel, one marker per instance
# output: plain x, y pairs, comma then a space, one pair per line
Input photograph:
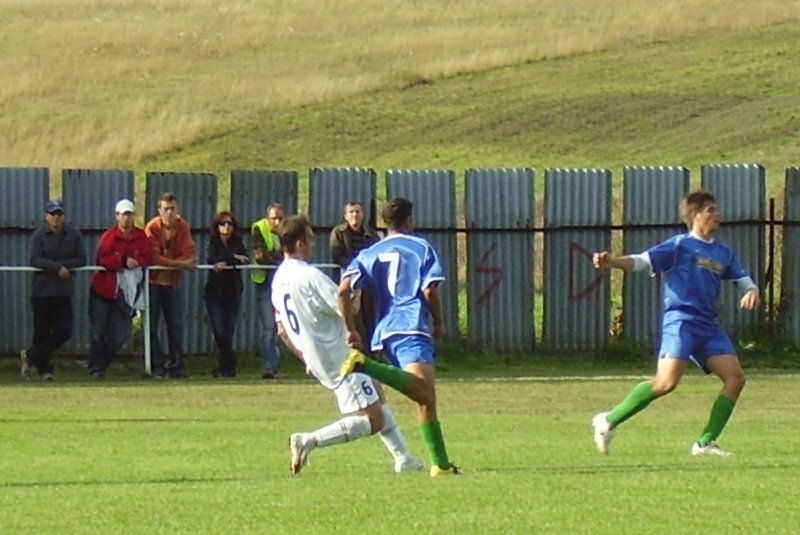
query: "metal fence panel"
197, 203
577, 297
790, 281
652, 197
740, 191
500, 264
23, 194
251, 193
433, 193
90, 196
16, 318
329, 190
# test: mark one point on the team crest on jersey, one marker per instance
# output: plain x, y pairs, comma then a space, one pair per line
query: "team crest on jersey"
711, 265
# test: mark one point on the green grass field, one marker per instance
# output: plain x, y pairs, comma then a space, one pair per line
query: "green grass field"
202, 457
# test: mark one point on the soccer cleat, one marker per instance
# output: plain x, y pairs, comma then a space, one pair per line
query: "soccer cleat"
25, 369
603, 432
406, 463
353, 360
48, 377
709, 449
452, 471
300, 447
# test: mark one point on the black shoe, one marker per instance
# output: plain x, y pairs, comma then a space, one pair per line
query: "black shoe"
178, 374
219, 372
97, 376
269, 374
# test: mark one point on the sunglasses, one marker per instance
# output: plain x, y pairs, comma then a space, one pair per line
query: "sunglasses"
225, 223
56, 213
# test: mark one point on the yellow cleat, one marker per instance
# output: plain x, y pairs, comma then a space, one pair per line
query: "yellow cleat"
354, 358
452, 471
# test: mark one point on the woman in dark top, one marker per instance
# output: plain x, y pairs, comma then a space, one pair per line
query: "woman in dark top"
223, 291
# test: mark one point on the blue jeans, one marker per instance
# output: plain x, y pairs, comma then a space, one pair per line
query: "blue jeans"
270, 356
223, 313
111, 328
166, 299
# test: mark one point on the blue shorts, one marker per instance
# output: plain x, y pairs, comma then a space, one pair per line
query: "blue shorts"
405, 349
687, 340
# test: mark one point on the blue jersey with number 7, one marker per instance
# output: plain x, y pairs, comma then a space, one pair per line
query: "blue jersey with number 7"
397, 269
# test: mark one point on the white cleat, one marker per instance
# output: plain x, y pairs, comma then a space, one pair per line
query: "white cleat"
407, 464
709, 449
603, 432
300, 446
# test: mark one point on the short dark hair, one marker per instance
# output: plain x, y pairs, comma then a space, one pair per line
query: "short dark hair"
694, 203
167, 197
292, 230
396, 212
222, 216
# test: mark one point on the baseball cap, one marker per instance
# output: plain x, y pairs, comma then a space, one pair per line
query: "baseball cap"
124, 206
54, 205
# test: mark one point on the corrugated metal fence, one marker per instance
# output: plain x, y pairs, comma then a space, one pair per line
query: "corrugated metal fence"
498, 268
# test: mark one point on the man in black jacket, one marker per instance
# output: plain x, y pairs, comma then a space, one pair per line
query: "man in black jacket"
56, 248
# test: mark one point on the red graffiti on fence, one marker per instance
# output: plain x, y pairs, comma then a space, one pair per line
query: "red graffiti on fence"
480, 267
575, 249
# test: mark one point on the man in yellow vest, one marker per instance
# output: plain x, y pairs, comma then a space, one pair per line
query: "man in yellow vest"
266, 250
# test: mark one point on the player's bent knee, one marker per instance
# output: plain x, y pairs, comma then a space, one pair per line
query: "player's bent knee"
376, 419
662, 387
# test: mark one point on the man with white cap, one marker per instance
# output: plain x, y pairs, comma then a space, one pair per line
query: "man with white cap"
122, 247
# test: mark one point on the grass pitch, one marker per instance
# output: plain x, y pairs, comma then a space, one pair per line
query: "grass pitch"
203, 457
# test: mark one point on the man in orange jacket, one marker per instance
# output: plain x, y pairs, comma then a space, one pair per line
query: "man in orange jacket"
172, 246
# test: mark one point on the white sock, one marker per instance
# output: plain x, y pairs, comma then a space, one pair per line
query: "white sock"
391, 436
344, 430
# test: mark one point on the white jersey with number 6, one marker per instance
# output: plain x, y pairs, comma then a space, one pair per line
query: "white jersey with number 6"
305, 304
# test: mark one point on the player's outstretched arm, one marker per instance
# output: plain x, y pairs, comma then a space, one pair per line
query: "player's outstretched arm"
751, 300
605, 260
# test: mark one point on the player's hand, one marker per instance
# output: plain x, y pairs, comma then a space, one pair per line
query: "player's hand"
601, 260
439, 331
309, 372
63, 273
354, 340
751, 300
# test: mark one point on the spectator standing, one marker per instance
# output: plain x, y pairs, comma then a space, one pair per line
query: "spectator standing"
172, 246
124, 252
223, 291
56, 248
346, 241
266, 250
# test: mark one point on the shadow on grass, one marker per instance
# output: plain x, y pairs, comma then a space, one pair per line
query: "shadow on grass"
160, 481
629, 468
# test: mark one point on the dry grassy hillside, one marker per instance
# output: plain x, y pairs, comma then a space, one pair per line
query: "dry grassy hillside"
99, 83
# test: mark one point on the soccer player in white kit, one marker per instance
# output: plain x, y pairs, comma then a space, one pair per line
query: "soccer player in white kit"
306, 309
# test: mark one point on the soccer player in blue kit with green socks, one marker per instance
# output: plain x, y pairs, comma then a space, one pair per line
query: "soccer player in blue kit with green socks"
403, 271
694, 265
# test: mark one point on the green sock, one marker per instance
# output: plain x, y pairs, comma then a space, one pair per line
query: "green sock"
720, 414
434, 441
387, 374
639, 398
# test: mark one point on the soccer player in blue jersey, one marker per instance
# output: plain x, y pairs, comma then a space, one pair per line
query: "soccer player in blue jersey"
403, 272
695, 265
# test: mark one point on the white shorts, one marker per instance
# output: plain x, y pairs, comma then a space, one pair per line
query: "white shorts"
356, 392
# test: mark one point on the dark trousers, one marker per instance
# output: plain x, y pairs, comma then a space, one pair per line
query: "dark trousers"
52, 327
166, 299
223, 313
111, 328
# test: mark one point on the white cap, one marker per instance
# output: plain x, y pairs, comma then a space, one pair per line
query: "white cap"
124, 206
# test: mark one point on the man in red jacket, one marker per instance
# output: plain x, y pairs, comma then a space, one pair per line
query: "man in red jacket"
122, 247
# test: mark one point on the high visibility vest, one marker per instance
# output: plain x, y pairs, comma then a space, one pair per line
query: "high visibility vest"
260, 275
